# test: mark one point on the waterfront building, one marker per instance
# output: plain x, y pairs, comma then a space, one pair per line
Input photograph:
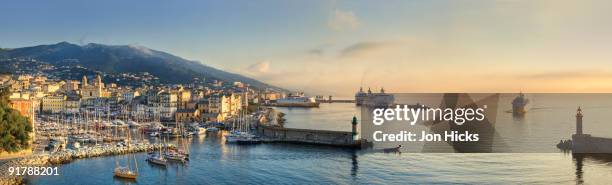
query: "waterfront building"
26, 108
271, 95
72, 85
225, 104
72, 104
187, 115
211, 117
202, 105
51, 87
130, 95
20, 95
53, 103
138, 106
184, 97
168, 104
101, 104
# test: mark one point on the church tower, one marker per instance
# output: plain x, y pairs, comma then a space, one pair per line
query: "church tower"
98, 84
84, 81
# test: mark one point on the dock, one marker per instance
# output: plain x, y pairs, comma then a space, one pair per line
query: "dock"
276, 134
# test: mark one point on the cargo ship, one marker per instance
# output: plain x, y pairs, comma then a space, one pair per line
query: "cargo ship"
519, 103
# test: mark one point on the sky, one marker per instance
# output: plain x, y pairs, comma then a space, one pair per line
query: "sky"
334, 47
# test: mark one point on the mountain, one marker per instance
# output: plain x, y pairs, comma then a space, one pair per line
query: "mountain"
127, 58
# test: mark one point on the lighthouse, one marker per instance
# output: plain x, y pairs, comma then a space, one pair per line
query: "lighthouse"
579, 121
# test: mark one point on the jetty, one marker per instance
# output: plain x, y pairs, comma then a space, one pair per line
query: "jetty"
280, 134
585, 143
274, 134
66, 156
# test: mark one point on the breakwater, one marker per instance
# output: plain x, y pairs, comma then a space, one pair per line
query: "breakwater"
585, 143
307, 136
67, 156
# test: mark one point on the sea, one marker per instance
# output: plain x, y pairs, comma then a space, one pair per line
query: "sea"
213, 161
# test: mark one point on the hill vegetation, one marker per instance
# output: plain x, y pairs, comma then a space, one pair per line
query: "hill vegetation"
15, 129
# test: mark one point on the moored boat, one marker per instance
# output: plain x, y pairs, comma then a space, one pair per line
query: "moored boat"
157, 159
124, 172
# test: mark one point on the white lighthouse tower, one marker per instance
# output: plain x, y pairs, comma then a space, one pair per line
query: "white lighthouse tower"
579, 121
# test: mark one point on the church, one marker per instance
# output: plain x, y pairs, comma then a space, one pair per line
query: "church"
95, 90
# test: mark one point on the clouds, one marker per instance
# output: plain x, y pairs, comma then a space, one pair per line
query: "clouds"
568, 75
259, 67
343, 20
140, 48
363, 48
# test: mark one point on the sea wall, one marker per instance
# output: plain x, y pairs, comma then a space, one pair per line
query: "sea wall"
320, 137
585, 143
66, 157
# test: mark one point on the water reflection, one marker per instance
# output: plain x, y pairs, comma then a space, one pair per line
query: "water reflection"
124, 180
579, 162
354, 164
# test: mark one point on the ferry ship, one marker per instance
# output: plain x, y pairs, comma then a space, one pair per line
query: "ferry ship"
298, 100
380, 99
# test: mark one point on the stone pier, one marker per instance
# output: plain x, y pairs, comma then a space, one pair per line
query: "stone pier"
307, 136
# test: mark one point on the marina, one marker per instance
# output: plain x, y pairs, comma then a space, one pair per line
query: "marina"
212, 159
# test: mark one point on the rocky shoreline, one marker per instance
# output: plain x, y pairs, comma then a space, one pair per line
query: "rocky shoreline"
64, 157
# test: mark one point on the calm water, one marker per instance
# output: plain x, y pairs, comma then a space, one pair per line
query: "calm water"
214, 162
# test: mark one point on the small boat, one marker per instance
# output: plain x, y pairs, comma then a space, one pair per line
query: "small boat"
232, 137
249, 140
174, 156
157, 159
124, 172
393, 150
188, 134
199, 131
212, 129
133, 124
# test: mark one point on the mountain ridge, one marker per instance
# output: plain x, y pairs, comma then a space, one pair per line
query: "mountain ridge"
129, 58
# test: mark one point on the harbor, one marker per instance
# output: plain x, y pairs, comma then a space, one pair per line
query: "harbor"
214, 160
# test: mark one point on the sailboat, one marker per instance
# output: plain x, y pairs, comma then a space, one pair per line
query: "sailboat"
126, 171
157, 158
180, 155
242, 135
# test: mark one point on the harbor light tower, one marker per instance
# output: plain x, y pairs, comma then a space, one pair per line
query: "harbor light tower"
579, 121
354, 124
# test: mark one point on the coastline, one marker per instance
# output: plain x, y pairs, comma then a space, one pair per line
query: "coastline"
23, 153
59, 158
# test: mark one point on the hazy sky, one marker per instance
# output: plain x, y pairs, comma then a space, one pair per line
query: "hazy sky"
335, 46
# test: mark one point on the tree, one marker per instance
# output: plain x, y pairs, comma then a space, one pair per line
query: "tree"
15, 129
